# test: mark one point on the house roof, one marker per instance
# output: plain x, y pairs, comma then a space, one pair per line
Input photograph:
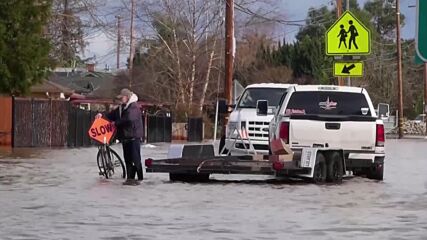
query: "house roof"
96, 84
51, 87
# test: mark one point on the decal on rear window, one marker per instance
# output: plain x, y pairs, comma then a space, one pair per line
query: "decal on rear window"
295, 112
328, 104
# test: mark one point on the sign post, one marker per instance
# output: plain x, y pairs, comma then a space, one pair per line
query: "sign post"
421, 30
425, 95
421, 45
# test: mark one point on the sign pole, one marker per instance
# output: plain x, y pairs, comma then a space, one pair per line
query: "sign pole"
399, 70
421, 30
339, 10
425, 94
347, 7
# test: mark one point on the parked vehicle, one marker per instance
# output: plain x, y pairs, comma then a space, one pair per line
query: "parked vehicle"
333, 117
317, 132
244, 116
421, 118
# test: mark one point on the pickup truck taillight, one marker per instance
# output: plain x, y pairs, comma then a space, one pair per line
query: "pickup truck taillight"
380, 135
284, 132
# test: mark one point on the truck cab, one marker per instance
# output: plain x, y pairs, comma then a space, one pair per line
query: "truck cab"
244, 117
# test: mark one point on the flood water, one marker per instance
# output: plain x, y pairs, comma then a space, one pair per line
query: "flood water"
57, 194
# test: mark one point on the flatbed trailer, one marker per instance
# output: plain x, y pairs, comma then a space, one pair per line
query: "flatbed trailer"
195, 163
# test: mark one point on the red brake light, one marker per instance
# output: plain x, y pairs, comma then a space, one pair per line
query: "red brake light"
284, 132
380, 135
148, 162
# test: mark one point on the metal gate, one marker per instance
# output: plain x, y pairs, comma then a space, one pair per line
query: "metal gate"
195, 130
159, 129
79, 122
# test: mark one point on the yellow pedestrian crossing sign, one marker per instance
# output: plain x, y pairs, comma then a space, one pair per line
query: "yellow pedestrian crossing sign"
348, 69
348, 36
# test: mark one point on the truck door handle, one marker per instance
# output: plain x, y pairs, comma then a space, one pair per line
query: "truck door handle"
333, 126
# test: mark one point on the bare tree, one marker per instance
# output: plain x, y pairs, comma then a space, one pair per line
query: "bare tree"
73, 22
179, 52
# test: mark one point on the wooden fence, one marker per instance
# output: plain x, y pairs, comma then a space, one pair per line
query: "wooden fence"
56, 123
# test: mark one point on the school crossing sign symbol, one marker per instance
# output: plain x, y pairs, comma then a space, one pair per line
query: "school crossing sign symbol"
348, 36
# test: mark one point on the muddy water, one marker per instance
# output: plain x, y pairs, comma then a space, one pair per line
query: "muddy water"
56, 194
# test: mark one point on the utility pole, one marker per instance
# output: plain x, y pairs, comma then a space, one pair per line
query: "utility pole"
229, 58
118, 41
339, 12
347, 7
131, 44
399, 70
229, 49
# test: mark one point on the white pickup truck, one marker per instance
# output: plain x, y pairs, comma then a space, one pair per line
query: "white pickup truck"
244, 116
333, 117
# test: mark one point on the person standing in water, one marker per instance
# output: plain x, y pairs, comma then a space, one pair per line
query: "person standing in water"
342, 36
128, 121
353, 34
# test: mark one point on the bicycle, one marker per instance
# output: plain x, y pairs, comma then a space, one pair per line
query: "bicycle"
109, 161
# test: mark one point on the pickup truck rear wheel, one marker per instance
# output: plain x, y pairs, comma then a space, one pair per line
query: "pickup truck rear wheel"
320, 169
335, 168
188, 177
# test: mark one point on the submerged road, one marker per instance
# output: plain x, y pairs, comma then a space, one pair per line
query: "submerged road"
57, 194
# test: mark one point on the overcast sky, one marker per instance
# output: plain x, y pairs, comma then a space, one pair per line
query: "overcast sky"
103, 47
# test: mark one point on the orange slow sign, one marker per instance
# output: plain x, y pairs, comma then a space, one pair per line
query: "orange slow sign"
102, 130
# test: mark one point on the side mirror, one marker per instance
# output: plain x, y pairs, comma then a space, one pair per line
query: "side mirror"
222, 107
262, 107
383, 110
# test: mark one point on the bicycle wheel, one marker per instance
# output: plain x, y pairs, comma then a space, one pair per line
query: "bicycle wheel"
117, 163
101, 162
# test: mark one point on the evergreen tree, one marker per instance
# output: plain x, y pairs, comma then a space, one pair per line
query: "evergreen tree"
24, 51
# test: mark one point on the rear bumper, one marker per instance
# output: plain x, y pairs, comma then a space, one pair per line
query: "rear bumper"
357, 159
363, 160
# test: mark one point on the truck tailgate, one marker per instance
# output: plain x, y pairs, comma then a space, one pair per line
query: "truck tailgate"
356, 134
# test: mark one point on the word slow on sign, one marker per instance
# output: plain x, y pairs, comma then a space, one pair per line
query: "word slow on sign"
102, 130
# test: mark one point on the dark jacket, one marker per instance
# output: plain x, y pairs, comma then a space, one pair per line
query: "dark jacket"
129, 124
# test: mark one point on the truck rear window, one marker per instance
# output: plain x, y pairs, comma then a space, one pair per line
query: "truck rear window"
327, 103
252, 95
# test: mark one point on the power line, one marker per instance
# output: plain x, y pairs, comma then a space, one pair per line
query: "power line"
300, 23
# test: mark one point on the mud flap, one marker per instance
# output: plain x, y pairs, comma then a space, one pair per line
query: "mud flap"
308, 160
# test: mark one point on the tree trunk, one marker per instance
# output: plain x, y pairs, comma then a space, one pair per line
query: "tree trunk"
193, 57
181, 89
206, 83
